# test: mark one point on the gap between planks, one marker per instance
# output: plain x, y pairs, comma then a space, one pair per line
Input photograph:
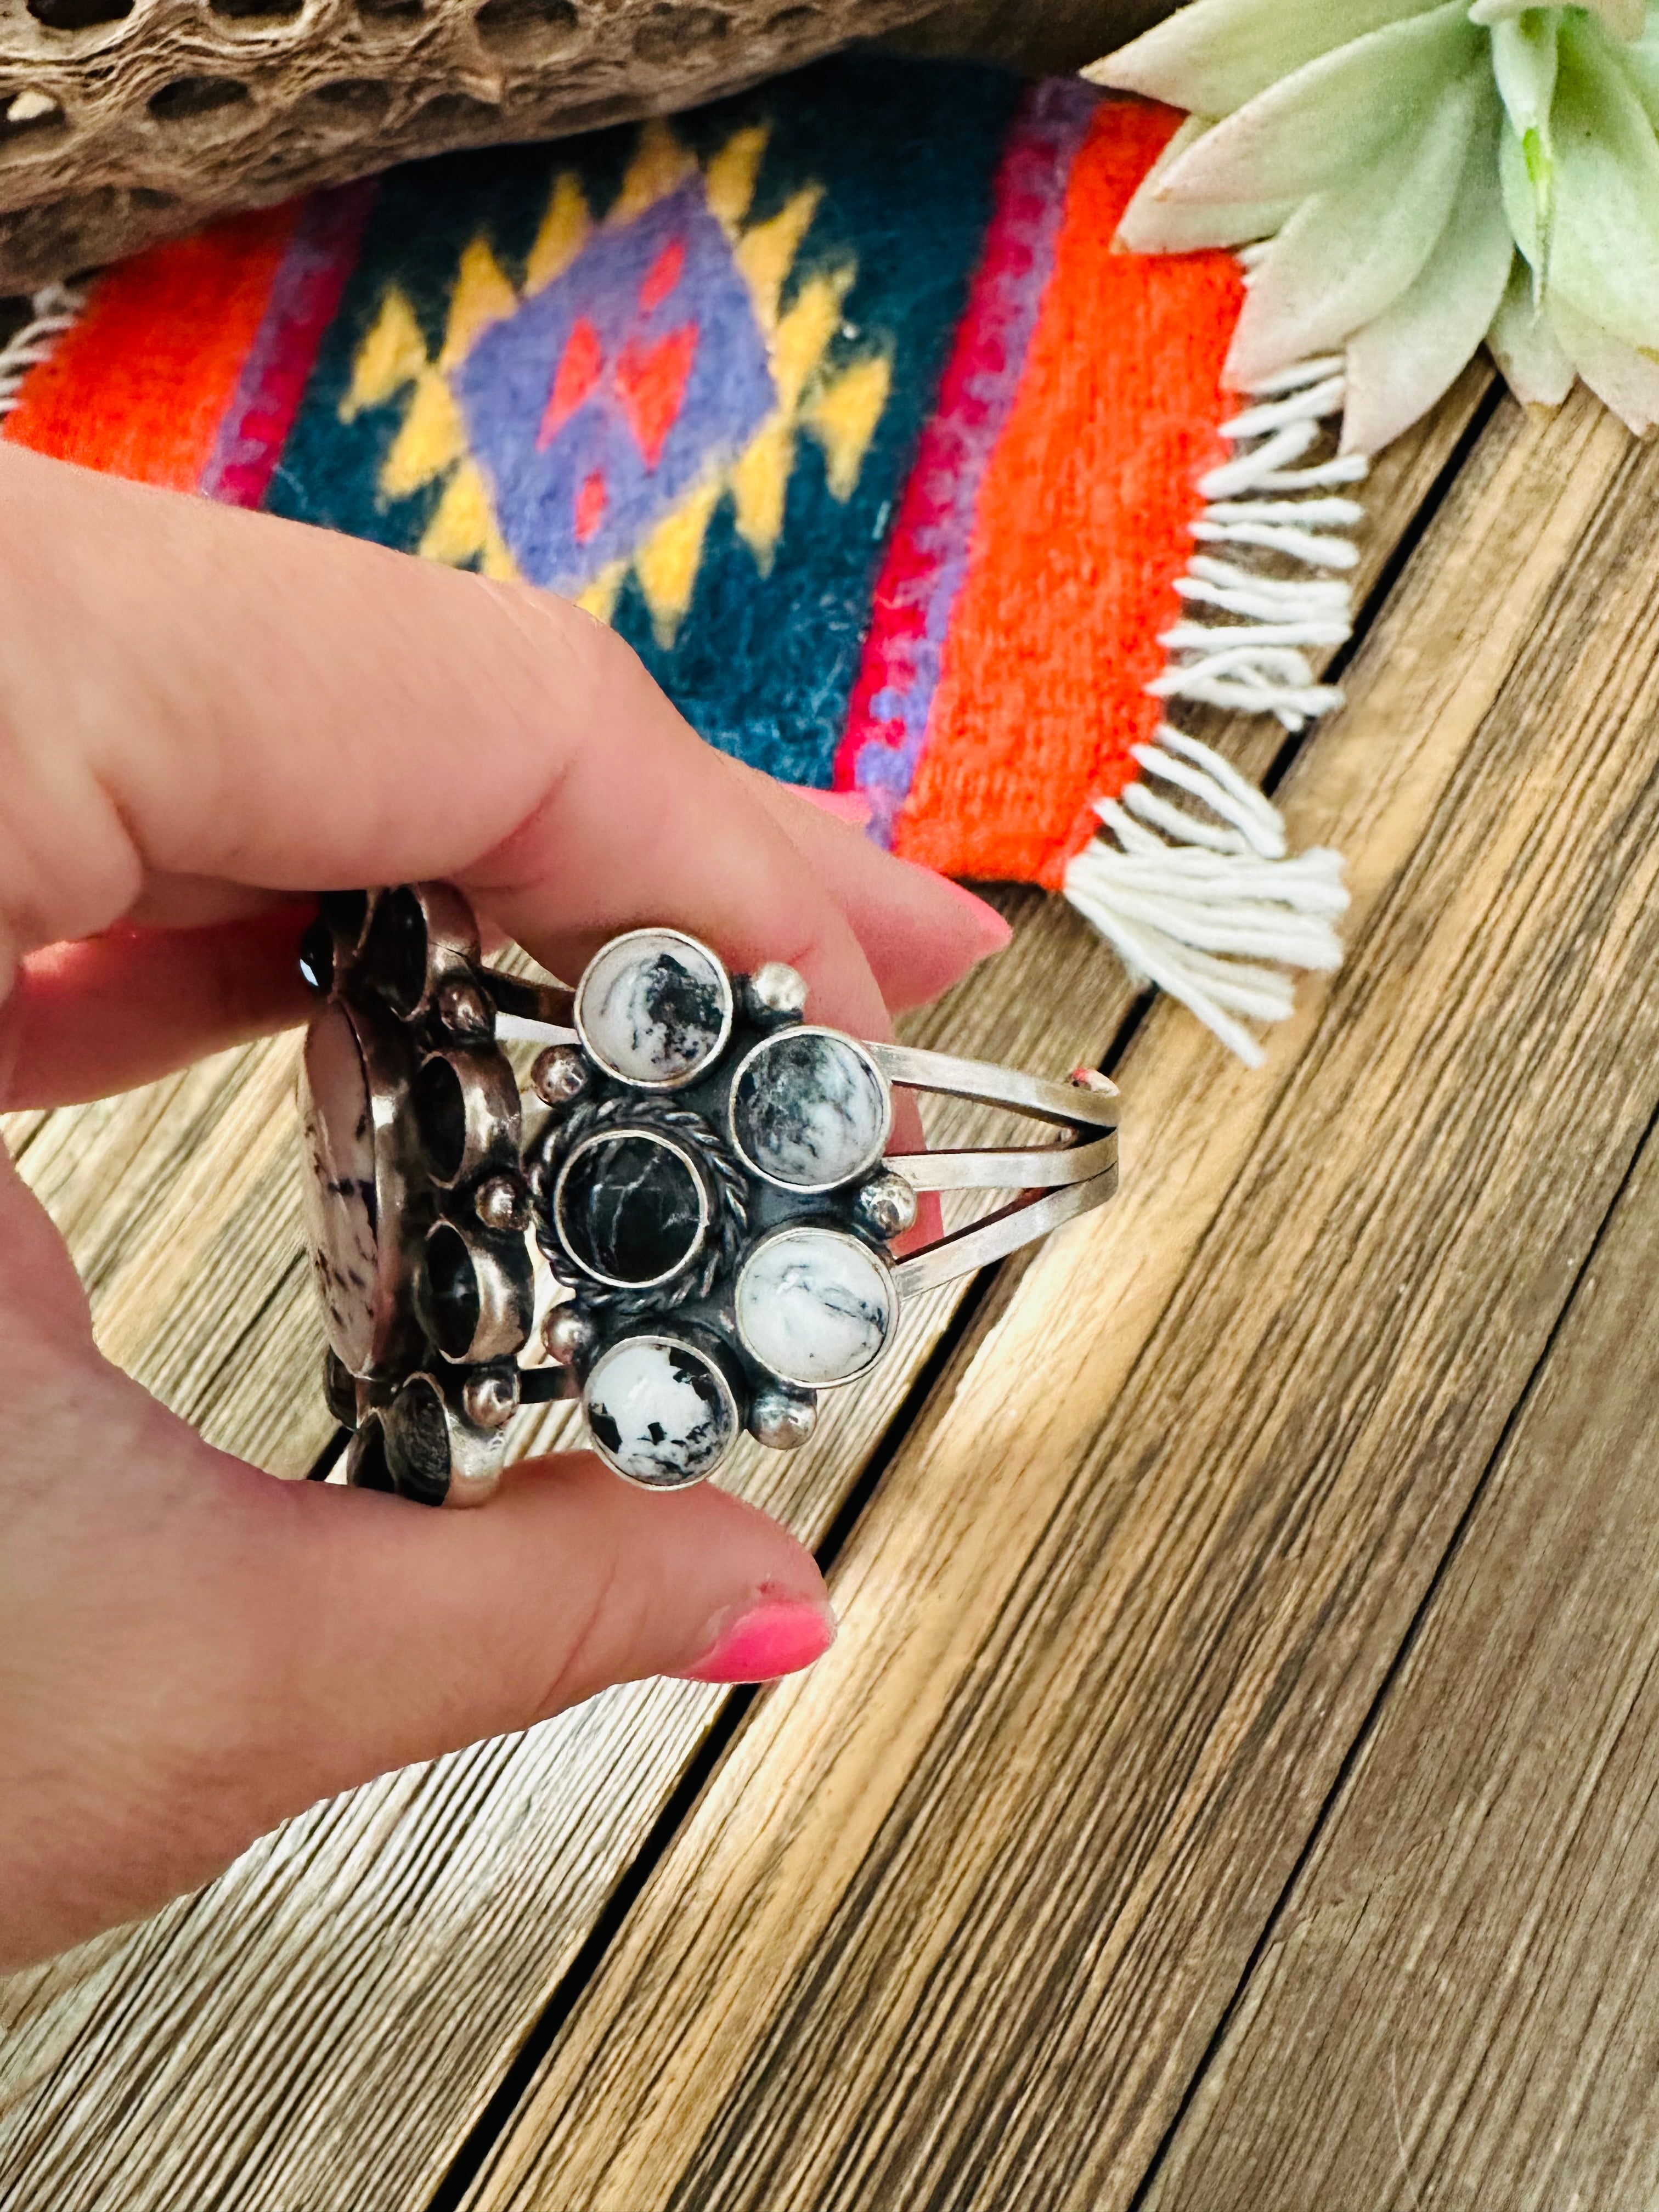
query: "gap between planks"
437, 1910
956, 1919
1452, 2003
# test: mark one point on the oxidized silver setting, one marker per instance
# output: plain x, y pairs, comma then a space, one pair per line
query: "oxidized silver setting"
710, 1180
417, 1201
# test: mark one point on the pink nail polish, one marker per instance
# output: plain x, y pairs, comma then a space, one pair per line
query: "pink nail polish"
779, 1636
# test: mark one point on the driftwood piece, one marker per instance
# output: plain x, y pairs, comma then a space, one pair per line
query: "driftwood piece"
126, 121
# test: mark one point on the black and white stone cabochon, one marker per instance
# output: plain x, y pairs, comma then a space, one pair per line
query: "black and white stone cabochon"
810, 1110
796, 1117
654, 1008
338, 1136
630, 1209
816, 1305
660, 1410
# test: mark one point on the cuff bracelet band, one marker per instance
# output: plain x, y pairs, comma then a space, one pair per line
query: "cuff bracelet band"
710, 1178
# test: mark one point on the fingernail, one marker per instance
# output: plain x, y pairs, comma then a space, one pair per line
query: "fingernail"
779, 1636
993, 931
846, 805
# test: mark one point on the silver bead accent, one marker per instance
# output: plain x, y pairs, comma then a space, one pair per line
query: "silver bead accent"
561, 1074
569, 1336
888, 1205
490, 1401
462, 1009
778, 988
782, 1419
500, 1203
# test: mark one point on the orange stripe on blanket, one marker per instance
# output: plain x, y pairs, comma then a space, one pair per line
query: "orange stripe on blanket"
139, 387
1083, 525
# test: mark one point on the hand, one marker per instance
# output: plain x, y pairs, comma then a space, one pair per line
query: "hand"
204, 716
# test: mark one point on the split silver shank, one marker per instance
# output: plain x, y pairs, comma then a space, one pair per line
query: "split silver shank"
1057, 1182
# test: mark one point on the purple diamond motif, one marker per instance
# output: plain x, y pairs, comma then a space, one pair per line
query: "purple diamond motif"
602, 400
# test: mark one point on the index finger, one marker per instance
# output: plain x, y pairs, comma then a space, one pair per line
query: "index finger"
192, 691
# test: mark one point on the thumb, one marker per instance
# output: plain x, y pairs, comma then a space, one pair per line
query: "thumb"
191, 1650
451, 1626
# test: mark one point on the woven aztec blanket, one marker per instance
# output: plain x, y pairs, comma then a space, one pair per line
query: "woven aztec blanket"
838, 401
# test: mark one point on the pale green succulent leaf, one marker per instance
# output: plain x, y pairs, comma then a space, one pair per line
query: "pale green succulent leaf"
1621, 377
1524, 344
1213, 57
1403, 360
1639, 61
1623, 18
1603, 248
1523, 62
1153, 226
1339, 118
1348, 254
1150, 226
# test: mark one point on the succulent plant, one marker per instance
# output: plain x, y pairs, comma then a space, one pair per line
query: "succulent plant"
1407, 177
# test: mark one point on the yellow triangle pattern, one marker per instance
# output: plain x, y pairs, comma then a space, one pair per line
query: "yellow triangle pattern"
463, 527
666, 564
562, 237
433, 438
803, 336
660, 162
391, 356
843, 415
767, 253
729, 180
760, 486
482, 295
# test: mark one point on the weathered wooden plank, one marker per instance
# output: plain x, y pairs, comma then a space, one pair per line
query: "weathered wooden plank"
434, 1910
181, 1204
956, 1918
1456, 2008
257, 2043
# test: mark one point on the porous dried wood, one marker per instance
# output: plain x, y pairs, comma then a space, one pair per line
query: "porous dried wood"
126, 121
123, 121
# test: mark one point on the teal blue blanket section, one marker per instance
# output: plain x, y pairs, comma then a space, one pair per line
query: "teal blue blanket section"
678, 371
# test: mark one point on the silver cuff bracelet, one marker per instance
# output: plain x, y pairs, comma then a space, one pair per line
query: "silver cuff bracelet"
711, 1185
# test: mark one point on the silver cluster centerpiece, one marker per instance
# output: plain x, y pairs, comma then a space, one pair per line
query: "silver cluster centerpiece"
712, 1185
417, 1199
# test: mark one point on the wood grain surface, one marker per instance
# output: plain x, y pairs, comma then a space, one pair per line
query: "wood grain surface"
253, 2046
1456, 2008
954, 1921
437, 1910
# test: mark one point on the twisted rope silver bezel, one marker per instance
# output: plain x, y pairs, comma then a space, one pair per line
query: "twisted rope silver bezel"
728, 1227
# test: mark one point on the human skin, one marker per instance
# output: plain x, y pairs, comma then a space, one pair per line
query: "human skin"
206, 717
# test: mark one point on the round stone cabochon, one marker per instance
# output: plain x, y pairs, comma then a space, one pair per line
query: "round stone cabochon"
809, 1109
654, 1008
816, 1305
629, 1208
661, 1411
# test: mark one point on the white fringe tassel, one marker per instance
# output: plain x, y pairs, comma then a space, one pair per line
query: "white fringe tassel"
1196, 901
51, 312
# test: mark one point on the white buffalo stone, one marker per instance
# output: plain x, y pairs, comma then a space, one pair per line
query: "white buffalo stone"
810, 1109
661, 1411
654, 1008
339, 1186
815, 1305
